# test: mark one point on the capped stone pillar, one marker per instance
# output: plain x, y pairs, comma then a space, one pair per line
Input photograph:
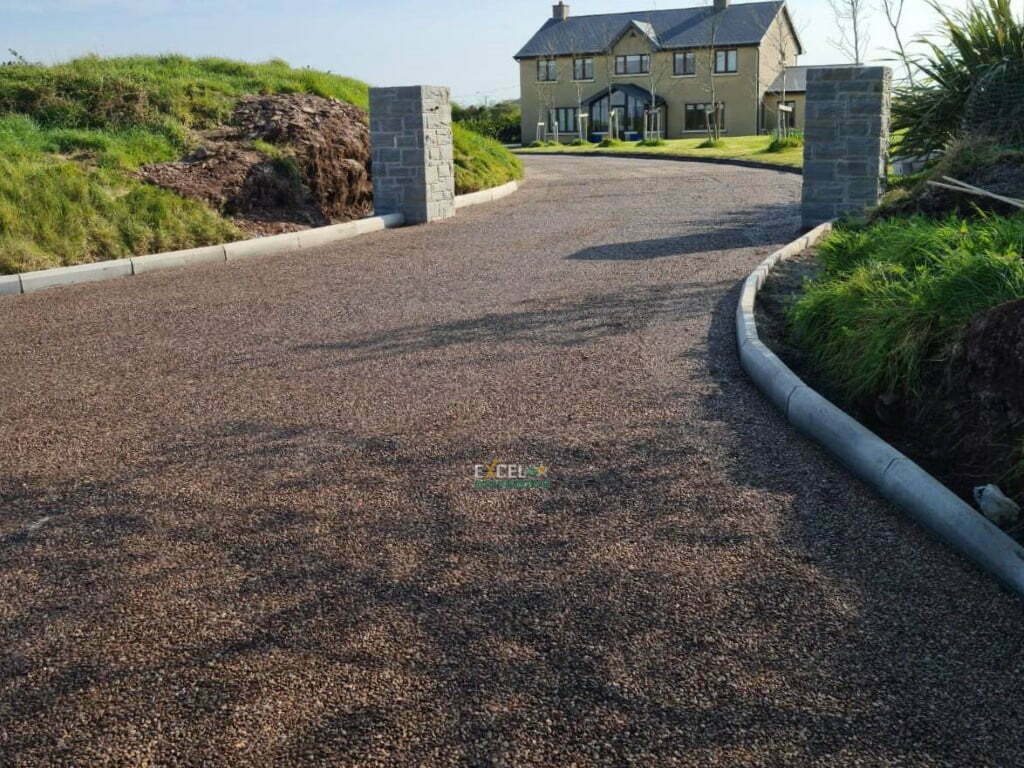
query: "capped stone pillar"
846, 141
411, 146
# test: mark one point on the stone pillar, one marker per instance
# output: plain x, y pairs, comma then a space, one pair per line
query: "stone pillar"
411, 143
846, 141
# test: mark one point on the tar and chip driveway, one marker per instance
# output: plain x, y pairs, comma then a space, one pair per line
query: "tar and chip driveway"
238, 523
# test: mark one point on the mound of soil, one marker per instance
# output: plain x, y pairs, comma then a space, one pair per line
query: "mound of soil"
318, 174
992, 168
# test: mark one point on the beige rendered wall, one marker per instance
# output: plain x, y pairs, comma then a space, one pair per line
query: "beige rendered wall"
771, 101
742, 92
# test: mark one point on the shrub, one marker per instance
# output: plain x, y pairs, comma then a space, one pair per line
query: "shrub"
984, 44
501, 122
897, 293
711, 144
793, 140
580, 143
608, 142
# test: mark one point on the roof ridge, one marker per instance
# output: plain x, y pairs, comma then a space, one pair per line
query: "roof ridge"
674, 10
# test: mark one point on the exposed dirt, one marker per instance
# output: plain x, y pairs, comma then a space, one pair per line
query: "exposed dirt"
320, 172
1003, 175
968, 426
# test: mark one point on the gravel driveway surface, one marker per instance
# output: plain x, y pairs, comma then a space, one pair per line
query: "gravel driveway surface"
238, 524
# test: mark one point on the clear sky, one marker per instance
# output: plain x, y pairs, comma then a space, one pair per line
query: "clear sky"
465, 44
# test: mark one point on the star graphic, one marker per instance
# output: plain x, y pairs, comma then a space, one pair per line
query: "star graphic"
542, 471
492, 470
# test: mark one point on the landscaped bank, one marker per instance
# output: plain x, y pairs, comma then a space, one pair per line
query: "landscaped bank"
748, 148
110, 158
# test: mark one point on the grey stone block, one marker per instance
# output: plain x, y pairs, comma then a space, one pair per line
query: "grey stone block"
10, 285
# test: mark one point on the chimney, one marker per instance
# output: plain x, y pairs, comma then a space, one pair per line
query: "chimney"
721, 5
560, 11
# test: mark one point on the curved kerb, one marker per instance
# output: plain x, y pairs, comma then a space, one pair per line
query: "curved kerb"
872, 459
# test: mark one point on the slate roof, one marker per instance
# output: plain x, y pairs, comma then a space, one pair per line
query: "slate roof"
796, 78
739, 24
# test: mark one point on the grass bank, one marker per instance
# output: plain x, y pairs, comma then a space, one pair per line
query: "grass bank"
898, 293
73, 135
751, 148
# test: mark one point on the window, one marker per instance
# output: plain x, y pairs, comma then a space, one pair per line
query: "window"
726, 61
695, 116
632, 65
564, 118
583, 69
547, 70
790, 117
685, 64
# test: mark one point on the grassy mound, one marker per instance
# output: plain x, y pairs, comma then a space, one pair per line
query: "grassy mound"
73, 137
898, 294
481, 163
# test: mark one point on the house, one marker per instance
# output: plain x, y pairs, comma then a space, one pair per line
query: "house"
790, 89
667, 72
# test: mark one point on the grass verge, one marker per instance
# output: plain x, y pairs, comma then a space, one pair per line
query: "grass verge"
752, 148
481, 163
898, 293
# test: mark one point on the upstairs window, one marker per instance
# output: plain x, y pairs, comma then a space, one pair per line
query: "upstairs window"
633, 65
685, 64
547, 70
726, 62
583, 69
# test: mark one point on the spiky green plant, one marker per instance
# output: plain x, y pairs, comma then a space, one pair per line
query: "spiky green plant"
977, 43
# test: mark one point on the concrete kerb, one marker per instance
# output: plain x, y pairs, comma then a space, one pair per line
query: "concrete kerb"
30, 282
486, 195
876, 462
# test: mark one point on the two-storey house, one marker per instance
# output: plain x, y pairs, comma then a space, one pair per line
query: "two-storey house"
669, 72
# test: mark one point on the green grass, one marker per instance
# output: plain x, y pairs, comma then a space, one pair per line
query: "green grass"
898, 293
147, 91
754, 148
72, 135
481, 163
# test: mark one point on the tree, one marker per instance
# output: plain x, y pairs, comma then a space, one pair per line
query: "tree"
709, 54
851, 20
893, 10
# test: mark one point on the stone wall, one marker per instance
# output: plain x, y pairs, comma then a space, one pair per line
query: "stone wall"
411, 143
846, 140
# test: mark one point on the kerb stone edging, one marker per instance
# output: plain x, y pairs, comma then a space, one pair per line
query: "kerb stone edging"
30, 282
876, 462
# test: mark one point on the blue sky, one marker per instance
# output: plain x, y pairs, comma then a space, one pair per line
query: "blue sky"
465, 44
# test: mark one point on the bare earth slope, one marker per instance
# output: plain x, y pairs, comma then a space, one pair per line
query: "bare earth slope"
238, 527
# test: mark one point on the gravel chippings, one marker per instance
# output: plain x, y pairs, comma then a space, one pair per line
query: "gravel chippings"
262, 546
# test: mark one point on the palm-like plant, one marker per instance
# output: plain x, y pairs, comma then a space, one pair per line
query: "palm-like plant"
983, 45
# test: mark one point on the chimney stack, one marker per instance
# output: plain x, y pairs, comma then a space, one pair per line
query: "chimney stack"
560, 11
721, 5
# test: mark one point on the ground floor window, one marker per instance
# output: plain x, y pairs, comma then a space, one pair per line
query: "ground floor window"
628, 112
695, 119
789, 117
564, 118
